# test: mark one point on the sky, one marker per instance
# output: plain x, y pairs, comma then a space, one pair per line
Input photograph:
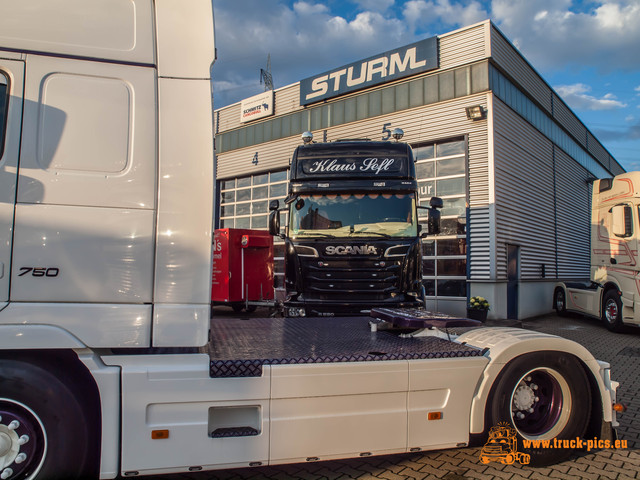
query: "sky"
588, 51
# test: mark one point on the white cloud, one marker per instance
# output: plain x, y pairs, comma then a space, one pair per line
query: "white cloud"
422, 13
306, 8
553, 33
577, 98
302, 39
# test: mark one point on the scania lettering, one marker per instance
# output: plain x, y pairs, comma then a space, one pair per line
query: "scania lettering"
363, 250
110, 364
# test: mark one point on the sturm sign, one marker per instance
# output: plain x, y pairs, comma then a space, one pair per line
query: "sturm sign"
392, 65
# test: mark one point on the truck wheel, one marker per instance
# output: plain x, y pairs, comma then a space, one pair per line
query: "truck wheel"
560, 301
44, 431
237, 307
544, 396
612, 311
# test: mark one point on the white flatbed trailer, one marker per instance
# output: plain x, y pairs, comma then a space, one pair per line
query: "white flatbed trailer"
271, 390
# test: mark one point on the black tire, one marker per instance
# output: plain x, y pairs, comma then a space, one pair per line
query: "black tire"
560, 301
60, 444
612, 311
252, 308
538, 386
237, 307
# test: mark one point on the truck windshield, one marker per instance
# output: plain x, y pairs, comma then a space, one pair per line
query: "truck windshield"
353, 215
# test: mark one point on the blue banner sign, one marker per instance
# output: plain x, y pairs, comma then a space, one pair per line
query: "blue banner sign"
392, 65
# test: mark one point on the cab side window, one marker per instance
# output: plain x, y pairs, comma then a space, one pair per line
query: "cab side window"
4, 108
622, 224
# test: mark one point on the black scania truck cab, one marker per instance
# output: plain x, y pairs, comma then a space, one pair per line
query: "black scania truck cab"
352, 241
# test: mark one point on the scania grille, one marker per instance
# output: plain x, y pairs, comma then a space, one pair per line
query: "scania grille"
341, 279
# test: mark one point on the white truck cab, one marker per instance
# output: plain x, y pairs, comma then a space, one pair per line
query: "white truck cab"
614, 291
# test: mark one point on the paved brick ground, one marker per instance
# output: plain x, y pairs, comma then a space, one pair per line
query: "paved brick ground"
621, 350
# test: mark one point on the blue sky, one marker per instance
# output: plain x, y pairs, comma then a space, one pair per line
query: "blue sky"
588, 51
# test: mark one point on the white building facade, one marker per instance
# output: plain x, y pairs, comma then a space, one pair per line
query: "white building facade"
511, 161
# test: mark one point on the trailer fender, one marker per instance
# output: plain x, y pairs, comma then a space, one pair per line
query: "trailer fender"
107, 380
505, 344
37, 337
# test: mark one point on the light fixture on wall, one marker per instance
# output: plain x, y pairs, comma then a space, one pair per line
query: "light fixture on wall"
476, 112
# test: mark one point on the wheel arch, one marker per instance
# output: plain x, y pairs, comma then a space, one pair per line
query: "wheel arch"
96, 386
66, 367
507, 344
37, 337
610, 285
558, 286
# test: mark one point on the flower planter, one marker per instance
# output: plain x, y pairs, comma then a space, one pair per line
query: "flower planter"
476, 314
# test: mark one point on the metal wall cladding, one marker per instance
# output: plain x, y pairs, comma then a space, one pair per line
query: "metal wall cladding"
464, 46
573, 209
421, 124
524, 195
288, 99
570, 122
597, 150
481, 245
514, 64
227, 118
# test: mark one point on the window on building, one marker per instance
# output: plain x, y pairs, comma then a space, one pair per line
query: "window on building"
244, 203
441, 171
4, 108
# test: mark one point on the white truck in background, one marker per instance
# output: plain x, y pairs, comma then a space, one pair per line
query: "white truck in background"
109, 362
614, 291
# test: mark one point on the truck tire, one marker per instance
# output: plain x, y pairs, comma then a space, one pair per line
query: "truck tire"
544, 396
237, 307
560, 301
44, 429
612, 311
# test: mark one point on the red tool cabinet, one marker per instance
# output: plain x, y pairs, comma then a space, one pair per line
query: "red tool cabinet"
242, 267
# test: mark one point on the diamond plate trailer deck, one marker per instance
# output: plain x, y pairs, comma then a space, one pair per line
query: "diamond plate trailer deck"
240, 347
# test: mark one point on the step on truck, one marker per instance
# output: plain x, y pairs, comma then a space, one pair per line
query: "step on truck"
352, 241
612, 294
109, 362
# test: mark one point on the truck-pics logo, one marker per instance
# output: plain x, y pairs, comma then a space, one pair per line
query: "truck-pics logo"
351, 250
502, 446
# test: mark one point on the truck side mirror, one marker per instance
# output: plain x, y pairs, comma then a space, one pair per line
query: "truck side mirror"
274, 218
433, 224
